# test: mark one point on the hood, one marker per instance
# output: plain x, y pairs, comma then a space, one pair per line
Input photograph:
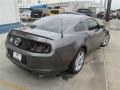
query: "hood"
41, 33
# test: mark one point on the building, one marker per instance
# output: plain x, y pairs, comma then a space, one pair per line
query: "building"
68, 6
100, 7
75, 5
27, 3
9, 15
50, 1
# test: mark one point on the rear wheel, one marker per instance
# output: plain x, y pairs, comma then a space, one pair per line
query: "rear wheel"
78, 62
106, 40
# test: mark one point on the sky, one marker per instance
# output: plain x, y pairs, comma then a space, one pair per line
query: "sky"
115, 3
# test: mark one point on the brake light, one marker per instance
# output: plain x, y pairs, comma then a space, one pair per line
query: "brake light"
30, 45
39, 47
11, 39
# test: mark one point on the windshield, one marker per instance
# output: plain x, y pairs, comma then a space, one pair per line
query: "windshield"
53, 23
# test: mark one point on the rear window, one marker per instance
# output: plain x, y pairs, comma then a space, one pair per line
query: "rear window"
53, 23
55, 11
36, 12
84, 11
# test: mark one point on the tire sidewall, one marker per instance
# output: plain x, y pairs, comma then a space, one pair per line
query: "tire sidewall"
103, 45
72, 66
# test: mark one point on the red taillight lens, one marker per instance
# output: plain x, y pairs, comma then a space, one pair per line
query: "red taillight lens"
39, 47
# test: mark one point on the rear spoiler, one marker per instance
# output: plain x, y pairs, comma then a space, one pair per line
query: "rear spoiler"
17, 32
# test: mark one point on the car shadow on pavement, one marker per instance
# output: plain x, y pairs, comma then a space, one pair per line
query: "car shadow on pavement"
91, 77
66, 75
91, 57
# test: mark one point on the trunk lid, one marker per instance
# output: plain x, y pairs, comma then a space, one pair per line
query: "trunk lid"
41, 33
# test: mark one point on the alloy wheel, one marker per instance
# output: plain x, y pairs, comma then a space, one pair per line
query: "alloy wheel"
79, 60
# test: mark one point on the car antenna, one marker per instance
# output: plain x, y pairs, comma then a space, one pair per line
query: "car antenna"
61, 28
61, 21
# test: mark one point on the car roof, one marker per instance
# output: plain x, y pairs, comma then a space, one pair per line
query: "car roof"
65, 18
75, 16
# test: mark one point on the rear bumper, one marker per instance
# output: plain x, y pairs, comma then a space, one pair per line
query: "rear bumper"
25, 18
34, 18
46, 66
42, 72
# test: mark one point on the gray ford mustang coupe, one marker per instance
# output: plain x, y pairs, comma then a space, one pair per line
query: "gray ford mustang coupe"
55, 44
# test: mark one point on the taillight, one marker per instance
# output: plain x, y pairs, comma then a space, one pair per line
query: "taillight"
29, 45
11, 39
39, 47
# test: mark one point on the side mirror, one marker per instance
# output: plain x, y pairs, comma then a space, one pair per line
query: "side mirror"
101, 26
91, 28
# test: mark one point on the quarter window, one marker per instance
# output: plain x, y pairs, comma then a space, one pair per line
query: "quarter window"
91, 24
79, 27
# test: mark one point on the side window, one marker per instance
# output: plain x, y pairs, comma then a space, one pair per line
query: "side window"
79, 27
91, 24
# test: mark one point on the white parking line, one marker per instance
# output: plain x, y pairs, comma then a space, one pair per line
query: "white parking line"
106, 74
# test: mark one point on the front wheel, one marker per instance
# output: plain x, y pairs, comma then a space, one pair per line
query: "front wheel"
106, 40
78, 62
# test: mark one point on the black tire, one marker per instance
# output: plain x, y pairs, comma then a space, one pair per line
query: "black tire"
118, 17
72, 67
103, 43
23, 20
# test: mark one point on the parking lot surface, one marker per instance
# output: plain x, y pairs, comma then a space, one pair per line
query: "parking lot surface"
100, 71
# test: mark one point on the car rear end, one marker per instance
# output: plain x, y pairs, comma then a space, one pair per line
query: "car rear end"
34, 53
87, 12
25, 16
56, 11
118, 14
38, 13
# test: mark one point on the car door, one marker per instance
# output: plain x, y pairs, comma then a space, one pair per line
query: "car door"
95, 32
82, 35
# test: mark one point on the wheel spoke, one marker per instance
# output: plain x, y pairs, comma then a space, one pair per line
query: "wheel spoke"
106, 40
79, 61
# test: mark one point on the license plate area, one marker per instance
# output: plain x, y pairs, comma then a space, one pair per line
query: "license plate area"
17, 56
